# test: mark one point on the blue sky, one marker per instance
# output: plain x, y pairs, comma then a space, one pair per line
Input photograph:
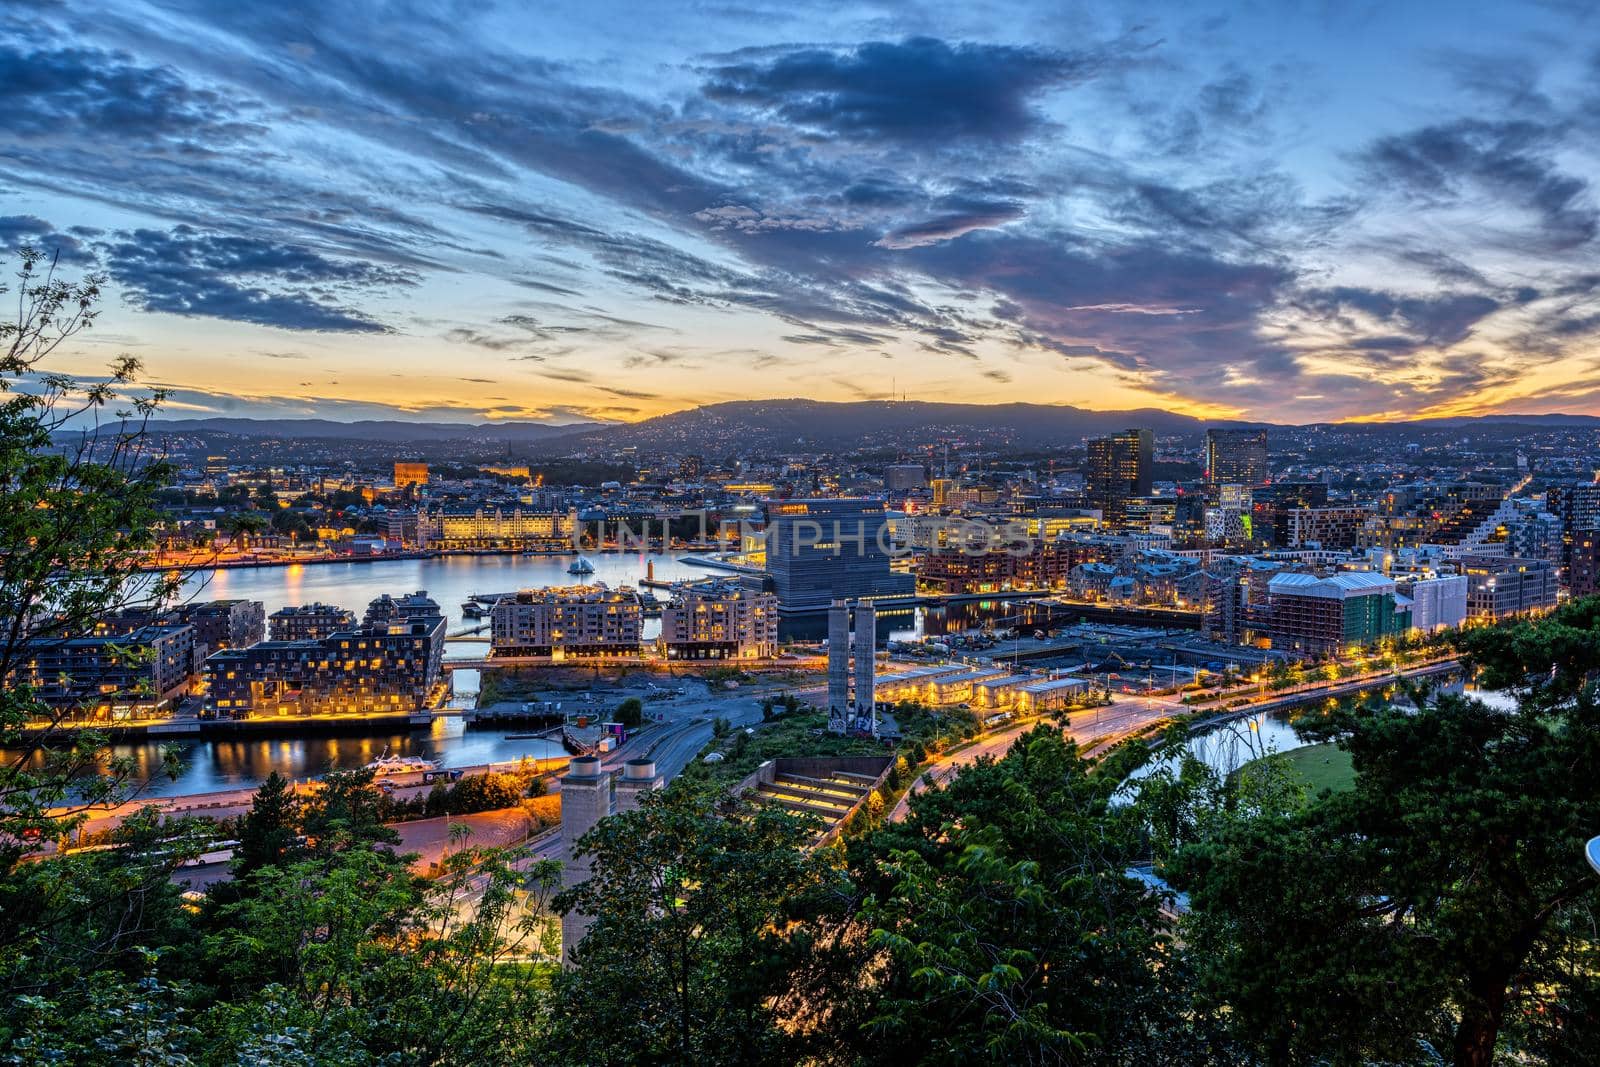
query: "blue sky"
461, 211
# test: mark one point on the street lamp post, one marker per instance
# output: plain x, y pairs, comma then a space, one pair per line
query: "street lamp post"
1591, 852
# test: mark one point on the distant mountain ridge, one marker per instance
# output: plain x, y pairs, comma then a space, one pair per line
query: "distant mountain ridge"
395, 430
816, 425
829, 425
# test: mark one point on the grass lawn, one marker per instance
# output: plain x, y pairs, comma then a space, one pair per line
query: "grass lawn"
1325, 766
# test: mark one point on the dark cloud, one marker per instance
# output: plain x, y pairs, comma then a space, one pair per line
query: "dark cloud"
34, 232
962, 219
51, 92
184, 271
919, 90
1435, 321
1501, 162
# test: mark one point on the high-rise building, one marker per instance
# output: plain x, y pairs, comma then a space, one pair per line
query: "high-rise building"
1503, 587
822, 550
109, 676
898, 477
838, 663
408, 474
1236, 457
866, 653
1119, 470
1438, 603
390, 666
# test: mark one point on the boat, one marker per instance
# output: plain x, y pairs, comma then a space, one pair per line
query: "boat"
473, 610
387, 764
580, 566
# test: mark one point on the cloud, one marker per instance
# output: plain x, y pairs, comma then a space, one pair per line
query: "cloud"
1497, 163
973, 216
920, 89
184, 271
34, 232
51, 92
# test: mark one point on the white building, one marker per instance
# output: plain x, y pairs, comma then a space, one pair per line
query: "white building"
719, 620
1438, 603
562, 621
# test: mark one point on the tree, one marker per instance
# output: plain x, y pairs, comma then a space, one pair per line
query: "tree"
691, 944
1009, 929
269, 833
630, 713
78, 484
1428, 903
346, 812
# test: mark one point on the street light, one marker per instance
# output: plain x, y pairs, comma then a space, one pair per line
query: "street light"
1591, 852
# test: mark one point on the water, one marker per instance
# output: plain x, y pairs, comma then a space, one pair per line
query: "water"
239, 763
1230, 745
210, 766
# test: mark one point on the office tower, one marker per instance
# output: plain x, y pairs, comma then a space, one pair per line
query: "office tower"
1578, 508
585, 800
1235, 457
1119, 469
408, 474
898, 477
821, 550
838, 664
866, 653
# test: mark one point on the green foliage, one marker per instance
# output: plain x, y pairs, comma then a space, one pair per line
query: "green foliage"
630, 713
690, 947
1431, 901
1011, 931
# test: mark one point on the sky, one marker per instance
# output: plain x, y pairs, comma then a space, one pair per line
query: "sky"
470, 211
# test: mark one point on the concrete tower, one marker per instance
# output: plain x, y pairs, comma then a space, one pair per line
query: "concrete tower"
585, 800
838, 666
866, 666
639, 776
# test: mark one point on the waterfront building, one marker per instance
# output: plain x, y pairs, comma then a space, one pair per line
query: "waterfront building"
1503, 587
391, 668
495, 528
1325, 615
110, 676
1119, 470
719, 619
218, 624
563, 621
309, 622
1235, 457
821, 550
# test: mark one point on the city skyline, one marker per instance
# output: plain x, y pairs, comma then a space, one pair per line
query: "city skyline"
468, 214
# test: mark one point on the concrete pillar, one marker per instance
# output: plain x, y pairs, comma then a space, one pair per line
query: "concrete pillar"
866, 666
639, 776
585, 800
838, 665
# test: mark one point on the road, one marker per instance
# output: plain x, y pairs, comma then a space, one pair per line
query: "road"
1092, 729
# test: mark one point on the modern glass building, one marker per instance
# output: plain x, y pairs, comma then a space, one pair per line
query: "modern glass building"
822, 550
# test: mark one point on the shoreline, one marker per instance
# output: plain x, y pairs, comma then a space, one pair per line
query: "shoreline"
420, 553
